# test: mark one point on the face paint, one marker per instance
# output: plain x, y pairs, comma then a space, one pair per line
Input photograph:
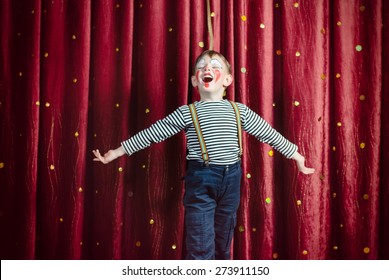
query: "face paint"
216, 64
217, 75
201, 64
198, 76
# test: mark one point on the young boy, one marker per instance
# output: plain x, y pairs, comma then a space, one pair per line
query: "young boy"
212, 182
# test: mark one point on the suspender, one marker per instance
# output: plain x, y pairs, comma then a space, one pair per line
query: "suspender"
196, 124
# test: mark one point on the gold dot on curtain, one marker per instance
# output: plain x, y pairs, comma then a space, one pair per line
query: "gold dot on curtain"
147, 110
243, 70
171, 80
335, 247
362, 145
75, 80
120, 169
201, 44
19, 34
362, 8
138, 244
1, 165
47, 104
365, 196
80, 189
174, 246
305, 252
339, 23
274, 104
277, 5
213, 14
76, 134
248, 175
298, 54
323, 31
33, 12
243, 17
296, 5
298, 202
46, 54
117, 105
74, 37
170, 29
241, 229
334, 148
81, 243
270, 153
143, 166
97, 243
296, 103
20, 74
323, 76
37, 103
140, 5
262, 25
358, 48
268, 200
339, 124
117, 5
52, 167
94, 135
278, 52
341, 225
337, 75
61, 220
366, 250
116, 49
97, 191
275, 255
362, 97
254, 229
151, 221
334, 195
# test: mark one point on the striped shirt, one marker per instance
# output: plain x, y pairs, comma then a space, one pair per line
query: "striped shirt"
220, 132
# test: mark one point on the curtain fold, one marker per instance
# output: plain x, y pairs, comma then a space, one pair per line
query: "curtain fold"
81, 75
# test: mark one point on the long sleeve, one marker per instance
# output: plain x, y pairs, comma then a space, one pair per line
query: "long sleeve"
253, 124
158, 132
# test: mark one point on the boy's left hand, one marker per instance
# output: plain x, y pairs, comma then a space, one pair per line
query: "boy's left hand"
300, 161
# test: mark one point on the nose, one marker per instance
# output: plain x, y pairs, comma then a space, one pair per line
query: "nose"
207, 67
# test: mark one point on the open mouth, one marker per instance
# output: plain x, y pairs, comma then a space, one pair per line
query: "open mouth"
207, 79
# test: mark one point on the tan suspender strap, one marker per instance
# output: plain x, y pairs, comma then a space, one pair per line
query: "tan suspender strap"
197, 127
239, 125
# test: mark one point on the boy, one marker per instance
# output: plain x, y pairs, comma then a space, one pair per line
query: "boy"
212, 183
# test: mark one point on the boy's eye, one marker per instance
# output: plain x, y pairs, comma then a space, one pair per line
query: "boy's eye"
216, 64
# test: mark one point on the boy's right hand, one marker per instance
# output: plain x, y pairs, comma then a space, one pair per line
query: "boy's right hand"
108, 156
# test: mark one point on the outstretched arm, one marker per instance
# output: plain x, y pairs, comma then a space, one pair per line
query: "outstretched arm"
300, 161
108, 156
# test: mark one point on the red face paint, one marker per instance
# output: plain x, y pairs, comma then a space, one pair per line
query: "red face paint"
206, 85
217, 74
197, 75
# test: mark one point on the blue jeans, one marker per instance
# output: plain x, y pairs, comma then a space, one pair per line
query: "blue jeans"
211, 200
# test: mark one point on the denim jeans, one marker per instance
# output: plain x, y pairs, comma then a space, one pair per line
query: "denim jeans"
211, 200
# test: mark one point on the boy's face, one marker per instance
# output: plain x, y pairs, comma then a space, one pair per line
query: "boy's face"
211, 75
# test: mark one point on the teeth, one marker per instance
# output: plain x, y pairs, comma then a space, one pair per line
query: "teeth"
207, 78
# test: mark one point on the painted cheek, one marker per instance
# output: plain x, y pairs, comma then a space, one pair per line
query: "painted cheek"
218, 75
198, 76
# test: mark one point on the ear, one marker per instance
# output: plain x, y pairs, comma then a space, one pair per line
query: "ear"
194, 81
228, 80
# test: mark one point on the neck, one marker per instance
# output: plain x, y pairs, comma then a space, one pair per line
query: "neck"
209, 97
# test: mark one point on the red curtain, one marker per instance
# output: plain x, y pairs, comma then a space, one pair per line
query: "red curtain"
79, 75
